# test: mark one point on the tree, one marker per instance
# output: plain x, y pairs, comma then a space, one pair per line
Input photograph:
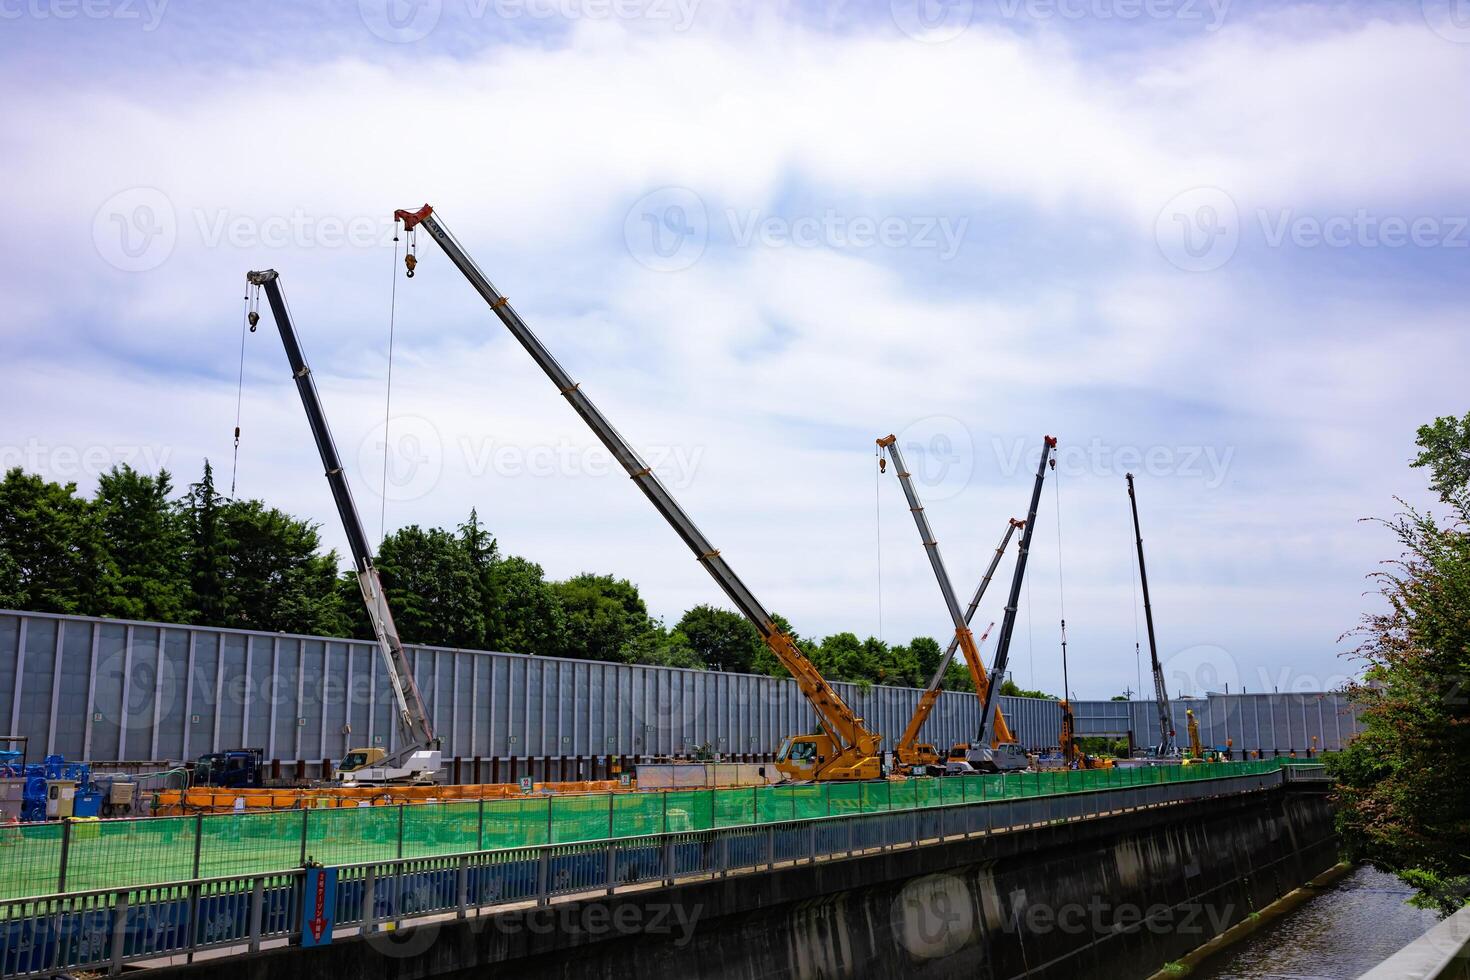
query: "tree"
1119, 697
276, 579
432, 587
146, 539
52, 557
603, 614
1009, 688
207, 550
1444, 447
926, 651
1403, 784
721, 639
661, 648
523, 612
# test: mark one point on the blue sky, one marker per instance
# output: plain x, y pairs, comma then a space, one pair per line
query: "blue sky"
1222, 245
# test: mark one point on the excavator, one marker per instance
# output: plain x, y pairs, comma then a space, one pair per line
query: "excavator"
419, 758
909, 753
990, 752
843, 748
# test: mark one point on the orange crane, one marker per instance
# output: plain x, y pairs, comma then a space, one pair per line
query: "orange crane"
908, 752
844, 748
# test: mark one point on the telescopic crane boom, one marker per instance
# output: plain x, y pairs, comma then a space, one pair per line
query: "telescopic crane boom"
846, 749
419, 757
963, 638
987, 742
1165, 746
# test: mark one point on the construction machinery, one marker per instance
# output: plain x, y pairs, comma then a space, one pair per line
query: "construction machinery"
909, 752
1165, 746
1072, 755
236, 769
922, 757
844, 748
418, 759
990, 752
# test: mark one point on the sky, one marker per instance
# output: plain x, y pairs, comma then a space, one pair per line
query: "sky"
1219, 244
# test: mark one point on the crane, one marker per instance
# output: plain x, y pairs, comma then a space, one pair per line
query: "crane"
419, 758
907, 751
844, 748
1165, 746
910, 752
990, 752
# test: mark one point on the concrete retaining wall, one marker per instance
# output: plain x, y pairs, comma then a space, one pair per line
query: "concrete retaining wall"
1108, 898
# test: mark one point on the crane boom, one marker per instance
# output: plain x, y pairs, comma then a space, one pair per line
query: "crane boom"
964, 639
1008, 621
413, 717
854, 752
1161, 694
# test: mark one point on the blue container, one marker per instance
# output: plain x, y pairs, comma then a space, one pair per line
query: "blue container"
88, 803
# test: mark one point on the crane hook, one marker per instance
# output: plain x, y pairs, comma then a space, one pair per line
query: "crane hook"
882, 465
254, 320
411, 261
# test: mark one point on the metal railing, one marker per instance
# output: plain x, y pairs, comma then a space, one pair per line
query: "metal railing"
104, 929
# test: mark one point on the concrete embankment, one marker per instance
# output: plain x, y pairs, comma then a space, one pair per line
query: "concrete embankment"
1112, 897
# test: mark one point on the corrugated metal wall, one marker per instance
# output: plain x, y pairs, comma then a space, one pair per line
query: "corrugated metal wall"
111, 690
1269, 722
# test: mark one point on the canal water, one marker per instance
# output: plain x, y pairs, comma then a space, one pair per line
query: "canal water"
1341, 933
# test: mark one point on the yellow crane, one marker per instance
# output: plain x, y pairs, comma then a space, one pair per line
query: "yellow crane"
844, 748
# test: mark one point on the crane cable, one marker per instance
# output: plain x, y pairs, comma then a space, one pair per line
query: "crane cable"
878, 529
388, 394
240, 390
1056, 483
1137, 651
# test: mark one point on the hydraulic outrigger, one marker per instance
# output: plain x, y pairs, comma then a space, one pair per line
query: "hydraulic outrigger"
1165, 746
989, 752
908, 751
418, 759
845, 749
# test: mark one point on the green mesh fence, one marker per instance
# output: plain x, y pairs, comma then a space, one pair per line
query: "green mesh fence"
146, 851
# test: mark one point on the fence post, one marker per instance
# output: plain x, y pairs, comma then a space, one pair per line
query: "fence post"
305, 815
480, 833
400, 833
198, 840
609, 820
543, 875
370, 899
464, 884
664, 796
548, 821
65, 852
889, 783
257, 910
612, 864
119, 931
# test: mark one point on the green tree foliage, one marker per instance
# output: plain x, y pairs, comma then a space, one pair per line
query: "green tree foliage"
52, 557
661, 648
603, 615
1009, 688
208, 553
926, 652
523, 611
433, 587
145, 535
276, 579
1403, 784
721, 639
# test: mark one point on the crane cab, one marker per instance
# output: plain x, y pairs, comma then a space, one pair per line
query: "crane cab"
808, 758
